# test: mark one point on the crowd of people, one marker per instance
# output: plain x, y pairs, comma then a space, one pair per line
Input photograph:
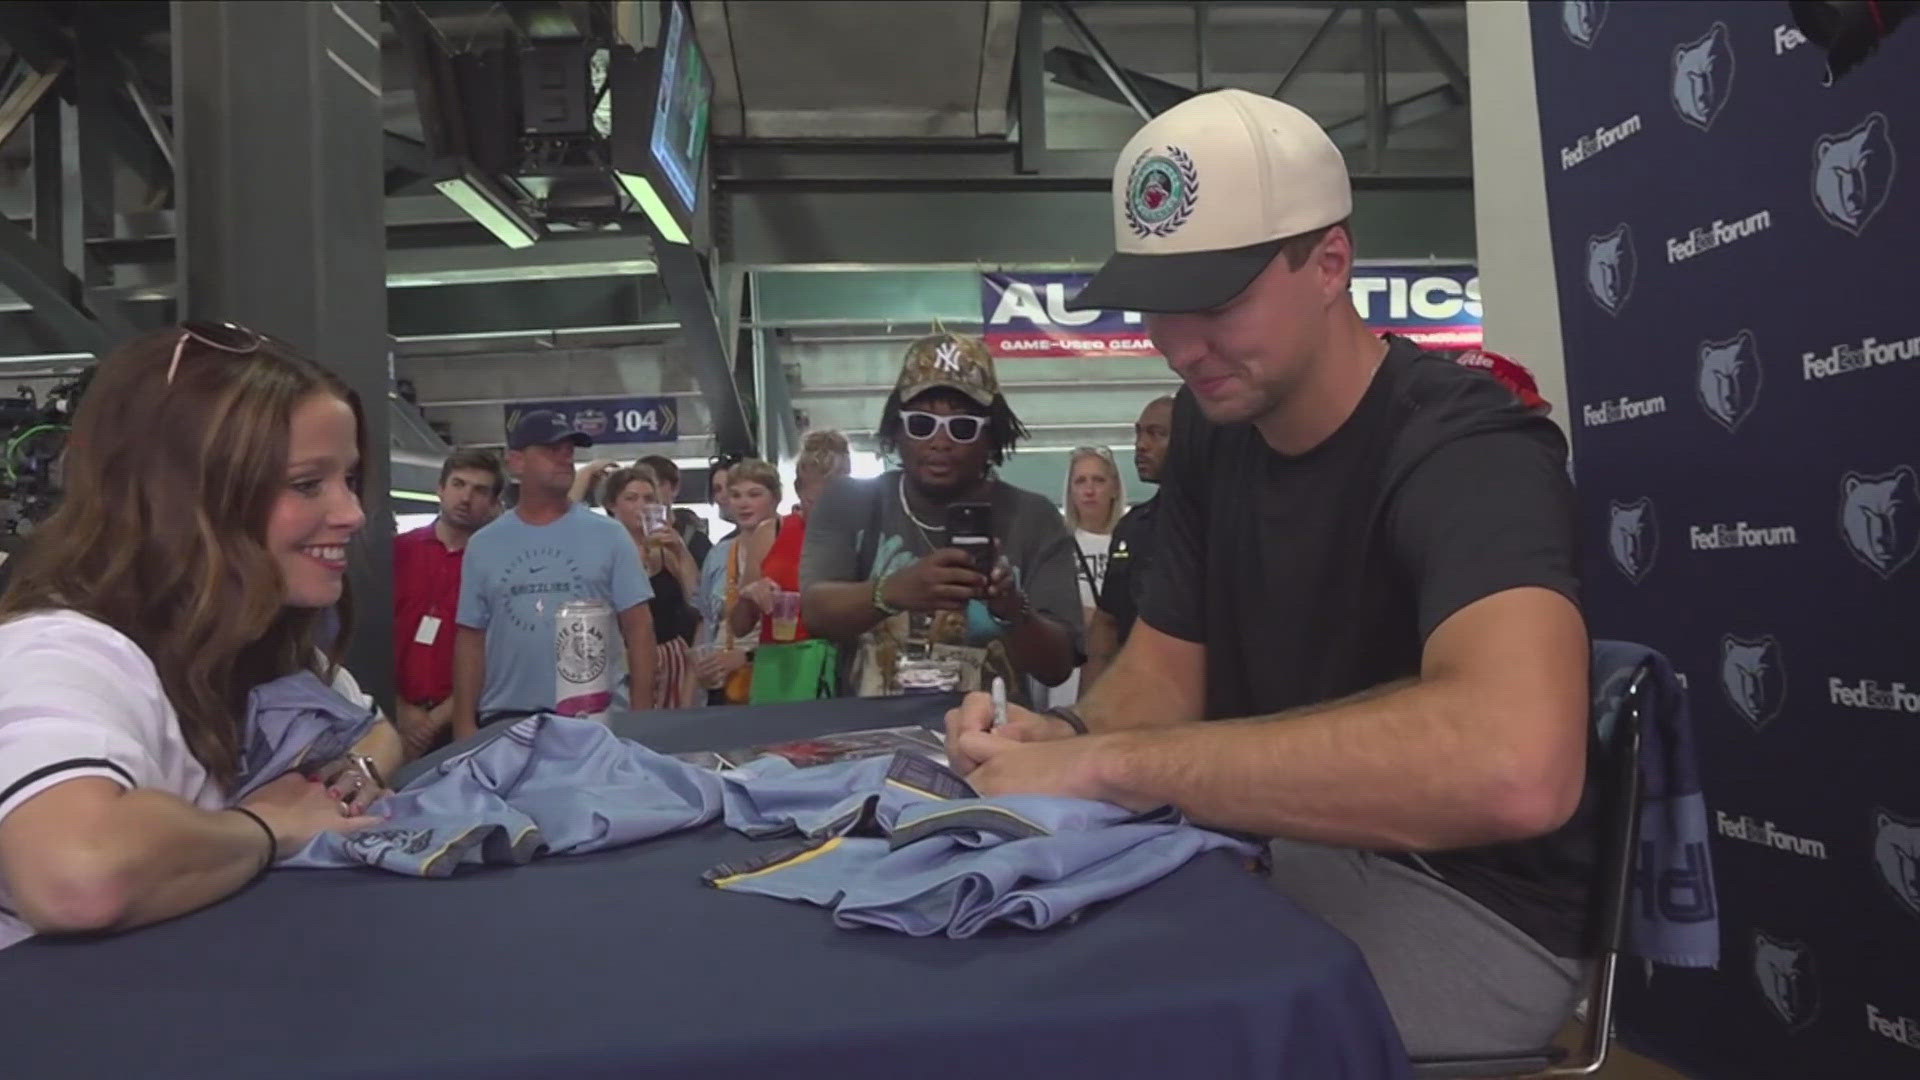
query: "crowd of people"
1358, 551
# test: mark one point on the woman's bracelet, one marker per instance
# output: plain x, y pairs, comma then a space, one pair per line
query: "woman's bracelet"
273, 842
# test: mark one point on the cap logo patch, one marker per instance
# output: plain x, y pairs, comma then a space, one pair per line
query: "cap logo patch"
1162, 191
946, 357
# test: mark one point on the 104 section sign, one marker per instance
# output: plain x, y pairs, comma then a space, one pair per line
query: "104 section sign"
1025, 314
611, 420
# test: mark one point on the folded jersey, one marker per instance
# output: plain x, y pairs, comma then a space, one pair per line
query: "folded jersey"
549, 785
295, 722
902, 844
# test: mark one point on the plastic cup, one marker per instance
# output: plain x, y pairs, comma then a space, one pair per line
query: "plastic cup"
786, 616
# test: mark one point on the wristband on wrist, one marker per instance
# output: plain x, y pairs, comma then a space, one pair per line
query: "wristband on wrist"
273, 843
1070, 716
880, 600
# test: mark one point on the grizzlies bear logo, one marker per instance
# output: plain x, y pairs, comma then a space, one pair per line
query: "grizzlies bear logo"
1611, 264
1853, 173
1880, 518
1633, 537
1729, 378
1896, 851
1753, 677
1785, 972
372, 846
1581, 20
1703, 77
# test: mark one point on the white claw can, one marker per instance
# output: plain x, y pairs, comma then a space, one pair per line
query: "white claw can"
583, 668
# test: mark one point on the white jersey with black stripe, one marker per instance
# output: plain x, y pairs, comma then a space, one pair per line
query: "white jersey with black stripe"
79, 698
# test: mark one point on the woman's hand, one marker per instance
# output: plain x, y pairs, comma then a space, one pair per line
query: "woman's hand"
354, 787
587, 477
760, 594
715, 668
298, 809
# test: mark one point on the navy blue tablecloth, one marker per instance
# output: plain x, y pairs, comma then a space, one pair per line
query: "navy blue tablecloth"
623, 964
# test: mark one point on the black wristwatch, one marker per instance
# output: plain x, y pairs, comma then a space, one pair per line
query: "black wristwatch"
1068, 714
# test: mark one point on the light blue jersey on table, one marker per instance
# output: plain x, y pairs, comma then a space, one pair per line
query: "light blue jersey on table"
515, 578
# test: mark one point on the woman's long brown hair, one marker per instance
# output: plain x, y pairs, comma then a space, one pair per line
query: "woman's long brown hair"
161, 533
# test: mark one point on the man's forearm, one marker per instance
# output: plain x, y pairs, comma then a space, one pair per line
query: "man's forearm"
640, 664
1356, 773
840, 610
636, 632
469, 668
1135, 691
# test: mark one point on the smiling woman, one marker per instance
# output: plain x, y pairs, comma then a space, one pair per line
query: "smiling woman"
212, 496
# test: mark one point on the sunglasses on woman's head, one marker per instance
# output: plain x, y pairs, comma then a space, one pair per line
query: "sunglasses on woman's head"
961, 428
224, 336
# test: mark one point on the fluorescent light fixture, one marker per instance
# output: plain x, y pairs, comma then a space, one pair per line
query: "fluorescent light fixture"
414, 496
650, 203
483, 204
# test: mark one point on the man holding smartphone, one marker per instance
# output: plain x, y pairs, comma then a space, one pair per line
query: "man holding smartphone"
889, 570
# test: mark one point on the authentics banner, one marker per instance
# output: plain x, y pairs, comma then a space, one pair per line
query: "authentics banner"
1025, 314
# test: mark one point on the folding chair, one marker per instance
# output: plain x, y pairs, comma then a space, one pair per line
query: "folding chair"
1622, 831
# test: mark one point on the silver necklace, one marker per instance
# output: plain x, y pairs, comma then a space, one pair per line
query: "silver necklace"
908, 510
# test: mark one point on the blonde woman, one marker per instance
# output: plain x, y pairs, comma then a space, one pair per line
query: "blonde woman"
1095, 501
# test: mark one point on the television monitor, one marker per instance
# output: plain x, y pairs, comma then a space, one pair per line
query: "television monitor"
662, 113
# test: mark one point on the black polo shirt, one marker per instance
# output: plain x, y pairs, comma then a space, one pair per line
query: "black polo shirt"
1129, 557
1315, 576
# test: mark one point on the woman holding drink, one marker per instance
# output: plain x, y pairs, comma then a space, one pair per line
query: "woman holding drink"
773, 598
632, 496
753, 494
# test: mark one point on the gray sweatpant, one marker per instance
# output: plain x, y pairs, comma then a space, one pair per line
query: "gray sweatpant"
1458, 979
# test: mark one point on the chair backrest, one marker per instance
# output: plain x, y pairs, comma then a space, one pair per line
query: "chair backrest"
1614, 774
1620, 814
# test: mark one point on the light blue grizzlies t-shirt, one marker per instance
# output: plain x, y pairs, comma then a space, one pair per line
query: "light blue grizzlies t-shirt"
515, 578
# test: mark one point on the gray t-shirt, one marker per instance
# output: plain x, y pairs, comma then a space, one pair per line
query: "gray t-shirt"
1033, 538
515, 578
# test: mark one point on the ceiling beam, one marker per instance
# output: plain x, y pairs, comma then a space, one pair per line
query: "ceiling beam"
1119, 77
1078, 71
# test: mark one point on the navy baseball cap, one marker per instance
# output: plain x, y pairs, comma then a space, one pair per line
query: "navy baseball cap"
544, 427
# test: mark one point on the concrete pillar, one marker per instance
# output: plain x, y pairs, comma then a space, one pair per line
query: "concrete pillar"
280, 204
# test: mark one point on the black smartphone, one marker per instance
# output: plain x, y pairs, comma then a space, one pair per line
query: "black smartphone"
970, 528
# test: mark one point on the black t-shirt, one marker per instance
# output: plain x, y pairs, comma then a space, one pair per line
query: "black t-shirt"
1129, 557
672, 616
1316, 576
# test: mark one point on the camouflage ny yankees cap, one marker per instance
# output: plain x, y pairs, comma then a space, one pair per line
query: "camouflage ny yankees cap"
953, 361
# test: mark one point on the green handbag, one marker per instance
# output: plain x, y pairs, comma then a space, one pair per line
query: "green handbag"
799, 671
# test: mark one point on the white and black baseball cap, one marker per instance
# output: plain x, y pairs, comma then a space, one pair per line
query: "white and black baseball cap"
1205, 194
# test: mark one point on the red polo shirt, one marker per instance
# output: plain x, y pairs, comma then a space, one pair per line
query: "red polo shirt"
426, 584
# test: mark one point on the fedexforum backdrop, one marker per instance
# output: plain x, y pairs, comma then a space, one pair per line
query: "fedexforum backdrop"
1738, 249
